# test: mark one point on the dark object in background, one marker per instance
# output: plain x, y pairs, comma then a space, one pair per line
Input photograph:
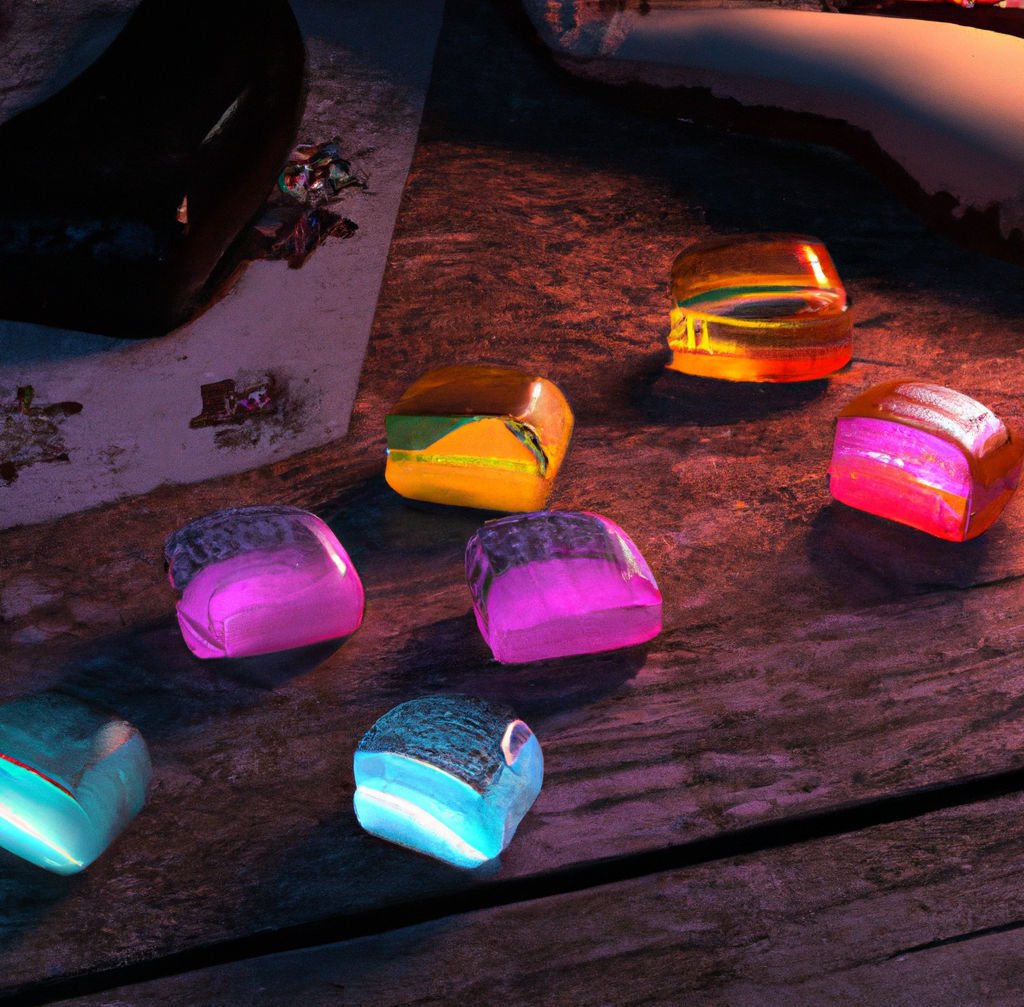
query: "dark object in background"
121, 197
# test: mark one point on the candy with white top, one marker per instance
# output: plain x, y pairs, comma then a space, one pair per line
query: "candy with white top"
556, 583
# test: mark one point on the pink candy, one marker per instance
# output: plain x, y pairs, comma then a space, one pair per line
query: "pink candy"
925, 456
554, 583
260, 579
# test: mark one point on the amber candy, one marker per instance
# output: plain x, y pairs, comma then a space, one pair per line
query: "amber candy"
758, 307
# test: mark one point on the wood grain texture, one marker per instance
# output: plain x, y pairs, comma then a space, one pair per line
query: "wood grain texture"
923, 914
810, 655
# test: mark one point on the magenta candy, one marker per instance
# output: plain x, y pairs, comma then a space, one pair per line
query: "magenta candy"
261, 579
555, 583
925, 456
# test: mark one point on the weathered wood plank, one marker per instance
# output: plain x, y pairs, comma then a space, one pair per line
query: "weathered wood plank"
810, 656
927, 912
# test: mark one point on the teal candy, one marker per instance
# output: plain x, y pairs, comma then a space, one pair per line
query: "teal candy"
448, 776
71, 779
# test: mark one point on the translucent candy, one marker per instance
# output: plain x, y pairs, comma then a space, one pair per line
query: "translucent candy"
261, 579
758, 307
925, 456
449, 776
478, 436
71, 779
555, 583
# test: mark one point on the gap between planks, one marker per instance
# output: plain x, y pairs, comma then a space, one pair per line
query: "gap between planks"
843, 819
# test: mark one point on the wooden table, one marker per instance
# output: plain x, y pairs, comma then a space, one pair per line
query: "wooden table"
805, 791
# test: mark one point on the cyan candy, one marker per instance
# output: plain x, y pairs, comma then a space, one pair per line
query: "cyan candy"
556, 583
260, 579
925, 456
71, 779
448, 776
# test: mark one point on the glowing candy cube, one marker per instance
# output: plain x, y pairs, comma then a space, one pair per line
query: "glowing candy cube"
450, 776
260, 579
925, 456
555, 583
478, 436
758, 307
71, 779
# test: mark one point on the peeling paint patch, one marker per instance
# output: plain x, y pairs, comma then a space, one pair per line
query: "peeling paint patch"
253, 409
224, 402
30, 433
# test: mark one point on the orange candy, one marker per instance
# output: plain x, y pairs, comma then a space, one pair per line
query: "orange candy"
478, 436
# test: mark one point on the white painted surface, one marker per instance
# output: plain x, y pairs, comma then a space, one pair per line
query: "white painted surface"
944, 101
369, 64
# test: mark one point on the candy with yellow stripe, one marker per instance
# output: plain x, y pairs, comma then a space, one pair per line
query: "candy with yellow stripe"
758, 307
478, 436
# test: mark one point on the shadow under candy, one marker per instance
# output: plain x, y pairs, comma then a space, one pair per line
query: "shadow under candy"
371, 518
28, 895
668, 397
875, 559
450, 656
149, 677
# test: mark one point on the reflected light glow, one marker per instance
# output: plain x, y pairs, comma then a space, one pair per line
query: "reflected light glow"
420, 822
23, 825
